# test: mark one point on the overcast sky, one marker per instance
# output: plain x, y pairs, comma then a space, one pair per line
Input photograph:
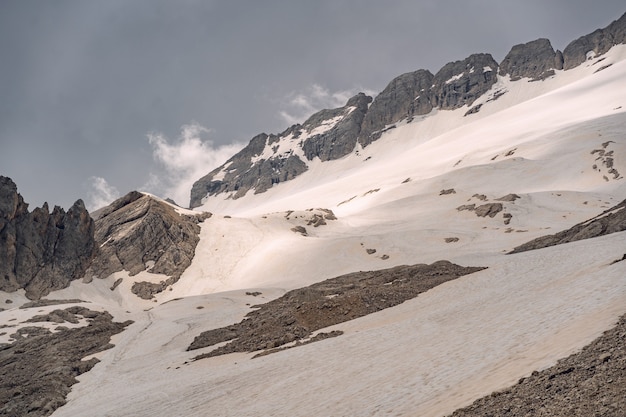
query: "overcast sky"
98, 98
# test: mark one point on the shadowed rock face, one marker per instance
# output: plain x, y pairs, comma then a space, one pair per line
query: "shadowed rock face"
611, 221
598, 42
138, 232
535, 60
42, 251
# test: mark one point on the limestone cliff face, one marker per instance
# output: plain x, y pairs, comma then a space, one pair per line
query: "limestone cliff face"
42, 251
138, 232
405, 96
597, 43
536, 60
459, 83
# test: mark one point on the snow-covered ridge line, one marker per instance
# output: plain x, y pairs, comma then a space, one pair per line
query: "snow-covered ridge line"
456, 85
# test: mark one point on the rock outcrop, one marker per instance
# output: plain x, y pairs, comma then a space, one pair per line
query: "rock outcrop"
297, 314
596, 43
612, 220
342, 137
536, 60
139, 232
42, 251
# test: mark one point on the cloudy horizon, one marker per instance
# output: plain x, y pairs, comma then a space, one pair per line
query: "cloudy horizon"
100, 98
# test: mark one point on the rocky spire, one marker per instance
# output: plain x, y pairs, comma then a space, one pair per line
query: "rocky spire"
41, 251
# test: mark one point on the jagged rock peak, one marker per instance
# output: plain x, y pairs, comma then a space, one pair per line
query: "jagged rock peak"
42, 251
138, 232
536, 60
596, 43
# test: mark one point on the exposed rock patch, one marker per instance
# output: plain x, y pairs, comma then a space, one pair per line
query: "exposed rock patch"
297, 314
447, 192
605, 159
610, 221
42, 251
38, 369
509, 198
489, 209
589, 383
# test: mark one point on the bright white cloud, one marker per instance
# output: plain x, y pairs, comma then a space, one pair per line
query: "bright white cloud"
298, 106
100, 193
185, 160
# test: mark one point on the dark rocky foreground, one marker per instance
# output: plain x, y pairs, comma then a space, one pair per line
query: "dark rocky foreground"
38, 369
610, 221
589, 383
297, 314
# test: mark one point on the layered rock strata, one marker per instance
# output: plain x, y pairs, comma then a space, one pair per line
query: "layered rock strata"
137, 233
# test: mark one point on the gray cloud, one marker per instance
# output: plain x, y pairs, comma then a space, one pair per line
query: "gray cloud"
83, 82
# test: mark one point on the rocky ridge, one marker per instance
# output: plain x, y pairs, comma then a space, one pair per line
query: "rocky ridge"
331, 134
42, 251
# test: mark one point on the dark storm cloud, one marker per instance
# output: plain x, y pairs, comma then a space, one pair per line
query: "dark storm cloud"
83, 83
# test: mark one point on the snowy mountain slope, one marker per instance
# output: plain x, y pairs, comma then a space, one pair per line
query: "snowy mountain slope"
468, 188
427, 356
